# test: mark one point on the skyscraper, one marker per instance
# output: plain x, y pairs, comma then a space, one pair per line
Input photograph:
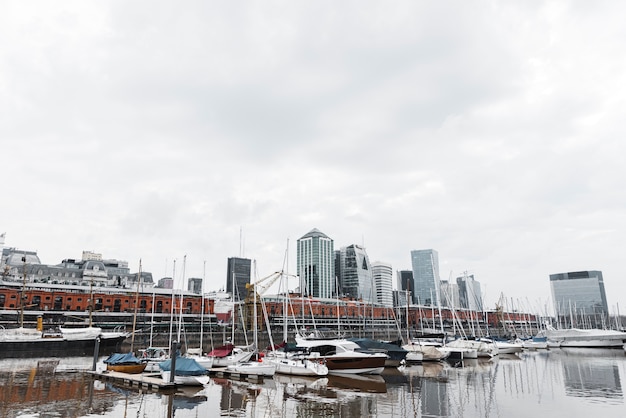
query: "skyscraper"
315, 264
426, 276
406, 284
470, 295
355, 273
238, 274
579, 297
383, 287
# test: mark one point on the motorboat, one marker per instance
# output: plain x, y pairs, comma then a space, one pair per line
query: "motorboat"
342, 356
590, 338
396, 353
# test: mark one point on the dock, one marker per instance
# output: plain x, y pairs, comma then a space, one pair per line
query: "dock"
145, 381
152, 381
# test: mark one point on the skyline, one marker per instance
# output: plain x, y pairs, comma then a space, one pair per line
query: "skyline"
490, 132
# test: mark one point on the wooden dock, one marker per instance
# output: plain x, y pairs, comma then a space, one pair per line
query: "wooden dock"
153, 382
144, 381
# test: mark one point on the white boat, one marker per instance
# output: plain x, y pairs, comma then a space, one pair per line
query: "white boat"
186, 380
591, 338
484, 347
188, 372
535, 343
256, 368
342, 356
509, 347
229, 354
460, 353
299, 364
419, 351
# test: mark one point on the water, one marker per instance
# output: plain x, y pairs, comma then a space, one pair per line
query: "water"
557, 383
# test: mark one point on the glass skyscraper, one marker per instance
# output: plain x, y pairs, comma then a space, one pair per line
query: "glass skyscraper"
355, 273
425, 265
579, 297
315, 264
238, 274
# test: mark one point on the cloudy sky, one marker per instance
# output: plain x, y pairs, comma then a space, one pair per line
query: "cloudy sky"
492, 132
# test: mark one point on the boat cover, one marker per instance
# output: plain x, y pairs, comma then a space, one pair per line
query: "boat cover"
222, 351
122, 358
184, 367
371, 344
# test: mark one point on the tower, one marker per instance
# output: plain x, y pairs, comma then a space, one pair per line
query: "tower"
383, 288
356, 273
315, 264
237, 276
579, 297
426, 276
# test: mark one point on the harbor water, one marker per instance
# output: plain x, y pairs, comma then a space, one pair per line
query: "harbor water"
556, 383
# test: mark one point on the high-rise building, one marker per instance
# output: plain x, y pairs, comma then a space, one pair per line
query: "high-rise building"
426, 276
406, 284
315, 264
194, 284
383, 286
449, 294
470, 295
238, 276
579, 297
355, 273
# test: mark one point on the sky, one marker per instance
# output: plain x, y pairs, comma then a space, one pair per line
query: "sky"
180, 134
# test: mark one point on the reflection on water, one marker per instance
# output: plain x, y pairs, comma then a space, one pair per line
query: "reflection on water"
572, 383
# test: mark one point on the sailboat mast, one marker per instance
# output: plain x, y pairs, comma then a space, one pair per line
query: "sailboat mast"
180, 314
132, 338
23, 293
202, 304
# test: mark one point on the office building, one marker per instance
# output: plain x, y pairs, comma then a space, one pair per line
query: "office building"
406, 284
355, 273
316, 265
383, 283
579, 298
237, 277
425, 265
470, 296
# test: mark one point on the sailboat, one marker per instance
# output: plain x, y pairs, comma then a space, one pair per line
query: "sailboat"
228, 353
250, 367
197, 354
298, 362
127, 362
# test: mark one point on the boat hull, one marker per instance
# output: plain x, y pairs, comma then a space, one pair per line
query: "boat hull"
127, 368
58, 347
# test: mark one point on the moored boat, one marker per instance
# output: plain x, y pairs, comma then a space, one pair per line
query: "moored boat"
187, 372
344, 357
589, 338
125, 363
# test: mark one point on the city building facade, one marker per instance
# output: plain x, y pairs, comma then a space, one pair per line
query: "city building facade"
579, 298
355, 273
238, 273
425, 265
315, 264
383, 283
